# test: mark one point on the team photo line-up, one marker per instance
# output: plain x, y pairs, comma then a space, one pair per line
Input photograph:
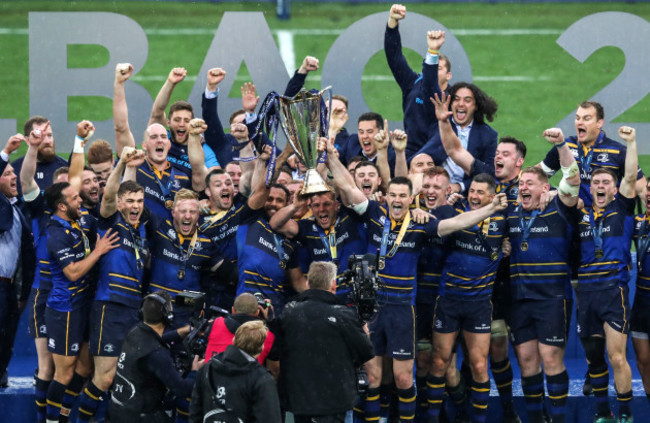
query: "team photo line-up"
212, 276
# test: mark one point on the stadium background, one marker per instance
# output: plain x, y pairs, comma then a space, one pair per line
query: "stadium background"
511, 47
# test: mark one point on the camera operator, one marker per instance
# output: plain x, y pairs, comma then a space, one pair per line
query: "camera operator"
145, 369
246, 308
317, 386
233, 387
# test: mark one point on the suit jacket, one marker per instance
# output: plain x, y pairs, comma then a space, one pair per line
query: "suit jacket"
482, 145
25, 272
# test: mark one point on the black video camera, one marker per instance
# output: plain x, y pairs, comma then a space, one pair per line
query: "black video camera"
202, 317
361, 277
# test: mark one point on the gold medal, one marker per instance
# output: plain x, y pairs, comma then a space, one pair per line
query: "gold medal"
382, 263
599, 254
169, 204
283, 264
494, 256
524, 246
181, 274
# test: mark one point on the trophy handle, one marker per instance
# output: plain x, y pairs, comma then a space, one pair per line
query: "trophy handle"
323, 155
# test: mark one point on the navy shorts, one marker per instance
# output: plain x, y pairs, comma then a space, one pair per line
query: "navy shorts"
36, 313
392, 331
640, 322
546, 321
452, 315
66, 330
109, 324
424, 314
595, 308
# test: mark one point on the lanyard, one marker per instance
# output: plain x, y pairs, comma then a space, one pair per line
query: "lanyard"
585, 160
185, 257
525, 226
213, 219
642, 242
400, 236
505, 186
329, 241
597, 233
137, 244
483, 229
278, 246
75, 224
165, 190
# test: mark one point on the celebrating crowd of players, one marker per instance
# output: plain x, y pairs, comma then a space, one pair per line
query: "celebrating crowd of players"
469, 241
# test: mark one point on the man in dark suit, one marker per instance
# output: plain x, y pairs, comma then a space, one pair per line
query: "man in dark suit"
469, 108
17, 257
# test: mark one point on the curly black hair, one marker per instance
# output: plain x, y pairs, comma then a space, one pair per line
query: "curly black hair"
486, 106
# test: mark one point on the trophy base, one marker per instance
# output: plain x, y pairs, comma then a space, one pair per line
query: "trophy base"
314, 183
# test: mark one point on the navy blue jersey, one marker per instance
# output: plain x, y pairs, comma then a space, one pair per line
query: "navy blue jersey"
44, 175
432, 261
473, 260
221, 229
350, 234
260, 258
539, 267
605, 153
159, 189
616, 224
642, 241
67, 244
399, 277
121, 269
178, 157
175, 265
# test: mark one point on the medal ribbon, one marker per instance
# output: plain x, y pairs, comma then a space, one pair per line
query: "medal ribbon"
585, 159
642, 241
329, 241
400, 236
137, 241
166, 190
482, 234
190, 250
75, 224
214, 218
596, 231
278, 246
525, 227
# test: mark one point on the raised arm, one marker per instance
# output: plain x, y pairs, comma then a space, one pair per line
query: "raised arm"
176, 75
259, 191
569, 186
282, 221
402, 72
109, 199
85, 130
123, 135
27, 182
215, 137
398, 139
297, 81
196, 155
627, 187
382, 141
448, 137
343, 181
471, 218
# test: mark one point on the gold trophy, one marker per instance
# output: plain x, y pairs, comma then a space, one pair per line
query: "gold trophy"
303, 121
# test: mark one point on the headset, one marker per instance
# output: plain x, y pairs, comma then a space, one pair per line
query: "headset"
166, 310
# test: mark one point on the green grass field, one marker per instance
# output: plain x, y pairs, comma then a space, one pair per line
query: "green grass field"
534, 80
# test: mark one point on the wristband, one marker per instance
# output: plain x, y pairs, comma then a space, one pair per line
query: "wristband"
433, 51
78, 145
560, 144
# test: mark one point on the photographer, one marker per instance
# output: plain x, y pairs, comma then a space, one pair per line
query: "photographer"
246, 308
145, 369
233, 387
319, 387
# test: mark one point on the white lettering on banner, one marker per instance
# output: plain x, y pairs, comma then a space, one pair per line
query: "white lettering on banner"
50, 34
